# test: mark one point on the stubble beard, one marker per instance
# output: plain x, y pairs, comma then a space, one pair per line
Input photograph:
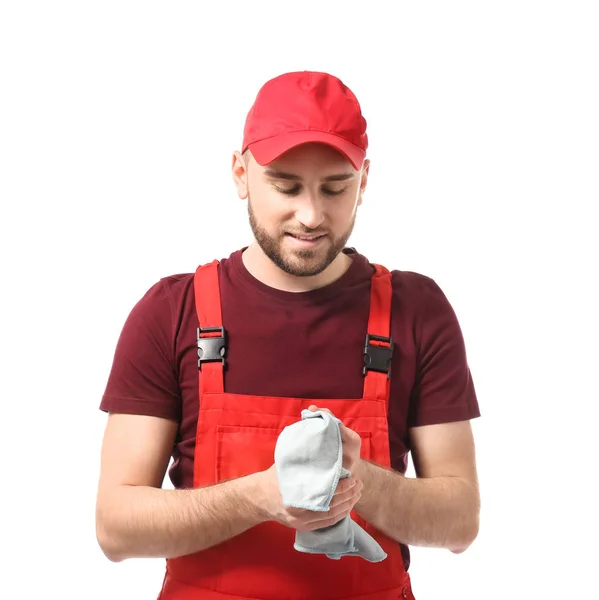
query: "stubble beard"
300, 263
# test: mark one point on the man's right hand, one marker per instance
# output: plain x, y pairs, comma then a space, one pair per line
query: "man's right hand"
347, 494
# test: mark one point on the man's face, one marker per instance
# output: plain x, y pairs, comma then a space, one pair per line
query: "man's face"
302, 207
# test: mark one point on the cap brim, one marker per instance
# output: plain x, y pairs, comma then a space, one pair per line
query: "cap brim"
267, 151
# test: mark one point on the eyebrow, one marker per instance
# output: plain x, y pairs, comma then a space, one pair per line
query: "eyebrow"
291, 177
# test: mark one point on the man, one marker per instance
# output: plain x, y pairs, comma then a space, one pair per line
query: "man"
212, 365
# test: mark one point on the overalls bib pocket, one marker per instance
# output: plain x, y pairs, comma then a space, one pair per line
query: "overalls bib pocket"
243, 450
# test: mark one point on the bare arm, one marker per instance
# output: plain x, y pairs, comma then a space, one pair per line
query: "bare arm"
135, 518
440, 508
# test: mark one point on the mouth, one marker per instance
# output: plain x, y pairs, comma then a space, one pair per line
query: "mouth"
306, 240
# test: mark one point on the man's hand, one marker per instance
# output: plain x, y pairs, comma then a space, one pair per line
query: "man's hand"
347, 494
352, 443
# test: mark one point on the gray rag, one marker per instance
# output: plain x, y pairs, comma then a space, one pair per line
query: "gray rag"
308, 460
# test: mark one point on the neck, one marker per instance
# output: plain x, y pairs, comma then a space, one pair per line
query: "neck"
265, 271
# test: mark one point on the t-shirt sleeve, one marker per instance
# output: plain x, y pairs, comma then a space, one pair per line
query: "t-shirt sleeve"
444, 390
143, 378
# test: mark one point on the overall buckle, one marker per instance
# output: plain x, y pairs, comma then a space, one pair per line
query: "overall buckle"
211, 349
378, 358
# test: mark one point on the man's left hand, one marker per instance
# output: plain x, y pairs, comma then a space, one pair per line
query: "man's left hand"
351, 442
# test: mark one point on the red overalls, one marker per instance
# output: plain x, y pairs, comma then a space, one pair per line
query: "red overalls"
236, 436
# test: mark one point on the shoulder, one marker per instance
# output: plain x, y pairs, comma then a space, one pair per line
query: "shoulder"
177, 289
415, 284
419, 291
410, 288
174, 285
421, 298
418, 300
161, 297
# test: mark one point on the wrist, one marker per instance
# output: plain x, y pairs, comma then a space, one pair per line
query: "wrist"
257, 497
360, 469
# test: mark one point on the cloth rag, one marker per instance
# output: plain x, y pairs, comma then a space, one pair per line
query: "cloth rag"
308, 460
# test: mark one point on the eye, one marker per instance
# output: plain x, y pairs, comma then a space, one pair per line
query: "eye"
328, 192
288, 192
295, 190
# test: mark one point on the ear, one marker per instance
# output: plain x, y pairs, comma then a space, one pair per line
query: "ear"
239, 171
363, 179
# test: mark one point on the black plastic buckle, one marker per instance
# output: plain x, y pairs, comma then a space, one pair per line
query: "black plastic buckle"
378, 358
211, 349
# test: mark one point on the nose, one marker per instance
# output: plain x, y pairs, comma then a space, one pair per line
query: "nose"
310, 211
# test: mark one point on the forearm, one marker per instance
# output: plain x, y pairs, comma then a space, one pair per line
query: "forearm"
438, 512
139, 521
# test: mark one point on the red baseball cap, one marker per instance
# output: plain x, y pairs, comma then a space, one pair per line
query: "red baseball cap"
301, 107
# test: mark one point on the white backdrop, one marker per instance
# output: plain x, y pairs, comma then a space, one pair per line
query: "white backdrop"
117, 125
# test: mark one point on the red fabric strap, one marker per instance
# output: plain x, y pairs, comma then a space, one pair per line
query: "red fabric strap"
208, 306
207, 298
376, 385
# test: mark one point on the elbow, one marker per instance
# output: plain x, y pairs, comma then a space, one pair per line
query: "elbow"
109, 550
107, 544
468, 534
470, 524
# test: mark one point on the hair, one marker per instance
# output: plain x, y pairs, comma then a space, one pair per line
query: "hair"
246, 157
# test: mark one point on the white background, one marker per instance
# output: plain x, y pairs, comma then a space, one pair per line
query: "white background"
117, 125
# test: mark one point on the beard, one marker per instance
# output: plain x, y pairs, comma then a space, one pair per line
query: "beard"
300, 263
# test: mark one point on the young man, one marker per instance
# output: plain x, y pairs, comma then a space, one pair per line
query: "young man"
212, 365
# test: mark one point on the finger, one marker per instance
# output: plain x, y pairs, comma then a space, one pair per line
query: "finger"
345, 484
314, 525
334, 515
345, 492
324, 523
345, 489
339, 508
347, 434
345, 507
347, 496
315, 408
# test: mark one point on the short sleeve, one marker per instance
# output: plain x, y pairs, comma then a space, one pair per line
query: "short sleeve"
143, 377
444, 390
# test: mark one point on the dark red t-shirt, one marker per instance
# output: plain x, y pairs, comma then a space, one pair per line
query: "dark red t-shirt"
286, 344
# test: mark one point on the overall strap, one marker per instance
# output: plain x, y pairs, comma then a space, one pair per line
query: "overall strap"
211, 335
378, 348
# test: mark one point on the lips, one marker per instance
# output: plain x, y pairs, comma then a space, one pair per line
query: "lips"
306, 238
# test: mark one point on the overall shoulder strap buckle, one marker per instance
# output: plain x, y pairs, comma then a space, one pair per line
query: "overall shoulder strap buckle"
211, 348
377, 355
